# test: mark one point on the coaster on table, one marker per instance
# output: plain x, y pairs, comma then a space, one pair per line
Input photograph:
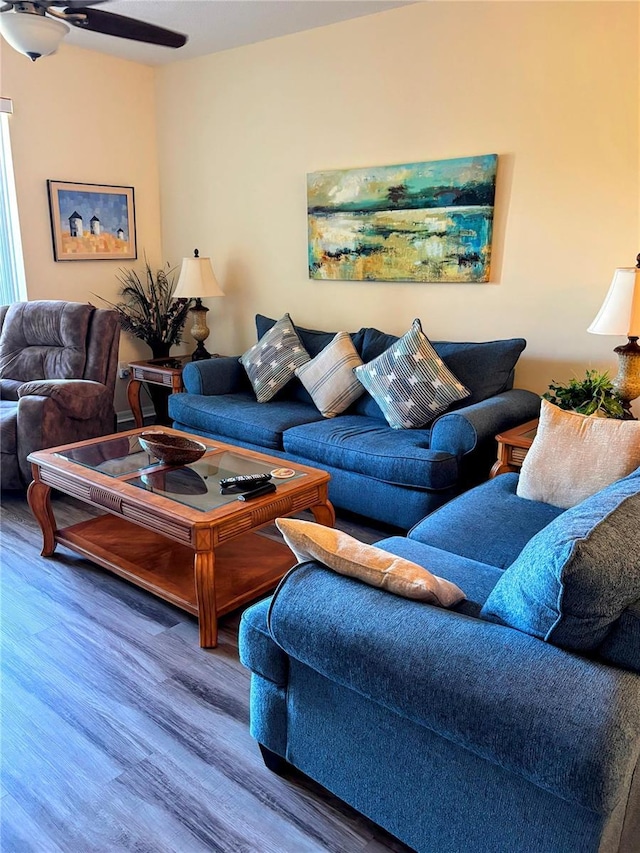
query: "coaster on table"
283, 473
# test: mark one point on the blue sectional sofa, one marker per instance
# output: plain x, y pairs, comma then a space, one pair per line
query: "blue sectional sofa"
392, 476
454, 732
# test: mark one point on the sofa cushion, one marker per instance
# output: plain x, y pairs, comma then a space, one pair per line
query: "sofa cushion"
329, 376
9, 389
489, 523
621, 646
574, 456
44, 340
314, 341
272, 362
484, 367
370, 447
410, 382
368, 563
240, 417
476, 579
8, 427
576, 577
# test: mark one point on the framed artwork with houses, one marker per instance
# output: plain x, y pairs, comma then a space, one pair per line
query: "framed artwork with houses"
92, 222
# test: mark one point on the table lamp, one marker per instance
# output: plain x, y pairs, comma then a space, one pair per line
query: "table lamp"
620, 315
198, 282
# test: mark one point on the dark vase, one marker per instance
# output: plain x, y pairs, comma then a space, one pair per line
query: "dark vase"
160, 350
159, 394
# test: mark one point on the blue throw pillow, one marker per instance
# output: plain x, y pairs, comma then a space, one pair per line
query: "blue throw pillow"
313, 340
575, 578
485, 368
410, 382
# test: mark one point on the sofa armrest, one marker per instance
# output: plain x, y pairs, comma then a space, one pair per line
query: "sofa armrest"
563, 722
461, 431
222, 375
80, 399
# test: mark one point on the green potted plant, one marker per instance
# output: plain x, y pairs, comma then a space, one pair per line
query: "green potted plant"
148, 310
593, 395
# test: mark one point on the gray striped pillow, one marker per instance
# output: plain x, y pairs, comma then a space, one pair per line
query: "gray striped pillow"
272, 362
329, 376
410, 382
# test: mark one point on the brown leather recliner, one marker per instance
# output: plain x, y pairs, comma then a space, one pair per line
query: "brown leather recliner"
58, 366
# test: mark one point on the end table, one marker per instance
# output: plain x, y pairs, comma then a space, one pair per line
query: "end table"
513, 445
157, 371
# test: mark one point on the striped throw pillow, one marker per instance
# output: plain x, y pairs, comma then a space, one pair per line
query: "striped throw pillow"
410, 382
329, 376
272, 362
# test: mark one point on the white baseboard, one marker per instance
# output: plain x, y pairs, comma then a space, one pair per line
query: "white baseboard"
125, 419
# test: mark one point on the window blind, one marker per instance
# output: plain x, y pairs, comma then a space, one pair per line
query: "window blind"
13, 286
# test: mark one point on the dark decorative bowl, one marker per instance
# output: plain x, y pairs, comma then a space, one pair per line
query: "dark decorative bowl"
171, 449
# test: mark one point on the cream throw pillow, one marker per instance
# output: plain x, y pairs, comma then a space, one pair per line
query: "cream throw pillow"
329, 376
379, 568
574, 456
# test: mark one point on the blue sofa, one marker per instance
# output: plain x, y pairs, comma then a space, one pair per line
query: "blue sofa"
448, 728
392, 476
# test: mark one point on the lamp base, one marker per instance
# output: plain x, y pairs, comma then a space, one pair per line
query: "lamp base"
627, 381
200, 353
199, 330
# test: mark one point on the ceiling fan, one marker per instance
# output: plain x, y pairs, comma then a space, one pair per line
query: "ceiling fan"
37, 28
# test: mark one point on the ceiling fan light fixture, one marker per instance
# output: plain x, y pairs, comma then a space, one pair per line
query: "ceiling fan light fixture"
32, 35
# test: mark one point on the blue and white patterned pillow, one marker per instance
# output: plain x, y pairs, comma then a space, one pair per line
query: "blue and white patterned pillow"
272, 362
410, 382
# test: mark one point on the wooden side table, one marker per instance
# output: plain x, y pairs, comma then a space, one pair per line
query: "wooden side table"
158, 371
513, 445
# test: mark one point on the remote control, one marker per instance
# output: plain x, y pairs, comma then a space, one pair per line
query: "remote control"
244, 480
258, 493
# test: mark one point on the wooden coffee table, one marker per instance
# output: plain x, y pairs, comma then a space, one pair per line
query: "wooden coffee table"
169, 530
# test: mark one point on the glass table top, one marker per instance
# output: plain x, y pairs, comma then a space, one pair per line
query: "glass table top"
196, 485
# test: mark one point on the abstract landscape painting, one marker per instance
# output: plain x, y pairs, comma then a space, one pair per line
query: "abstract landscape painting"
428, 221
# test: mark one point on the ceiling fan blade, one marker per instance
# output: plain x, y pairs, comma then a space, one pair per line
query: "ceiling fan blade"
77, 4
125, 28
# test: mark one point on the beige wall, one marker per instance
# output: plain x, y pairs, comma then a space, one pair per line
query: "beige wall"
88, 117
552, 88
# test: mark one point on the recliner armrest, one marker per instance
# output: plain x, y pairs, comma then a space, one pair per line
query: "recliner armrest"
222, 375
77, 398
461, 431
565, 723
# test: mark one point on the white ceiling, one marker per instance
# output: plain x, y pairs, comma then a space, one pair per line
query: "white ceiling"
215, 25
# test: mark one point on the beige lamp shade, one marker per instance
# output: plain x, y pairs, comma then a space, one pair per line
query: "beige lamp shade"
620, 312
197, 280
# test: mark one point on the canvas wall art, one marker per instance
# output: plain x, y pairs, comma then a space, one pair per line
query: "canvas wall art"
429, 222
92, 222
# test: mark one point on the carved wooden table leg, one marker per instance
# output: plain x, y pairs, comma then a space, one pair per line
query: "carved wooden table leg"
133, 395
38, 496
501, 467
324, 513
204, 565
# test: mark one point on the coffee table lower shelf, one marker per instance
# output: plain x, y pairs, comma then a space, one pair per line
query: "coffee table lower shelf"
245, 568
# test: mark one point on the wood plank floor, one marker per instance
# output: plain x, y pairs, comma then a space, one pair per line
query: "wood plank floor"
118, 733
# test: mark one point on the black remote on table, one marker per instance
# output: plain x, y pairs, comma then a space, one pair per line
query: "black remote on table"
258, 493
246, 480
